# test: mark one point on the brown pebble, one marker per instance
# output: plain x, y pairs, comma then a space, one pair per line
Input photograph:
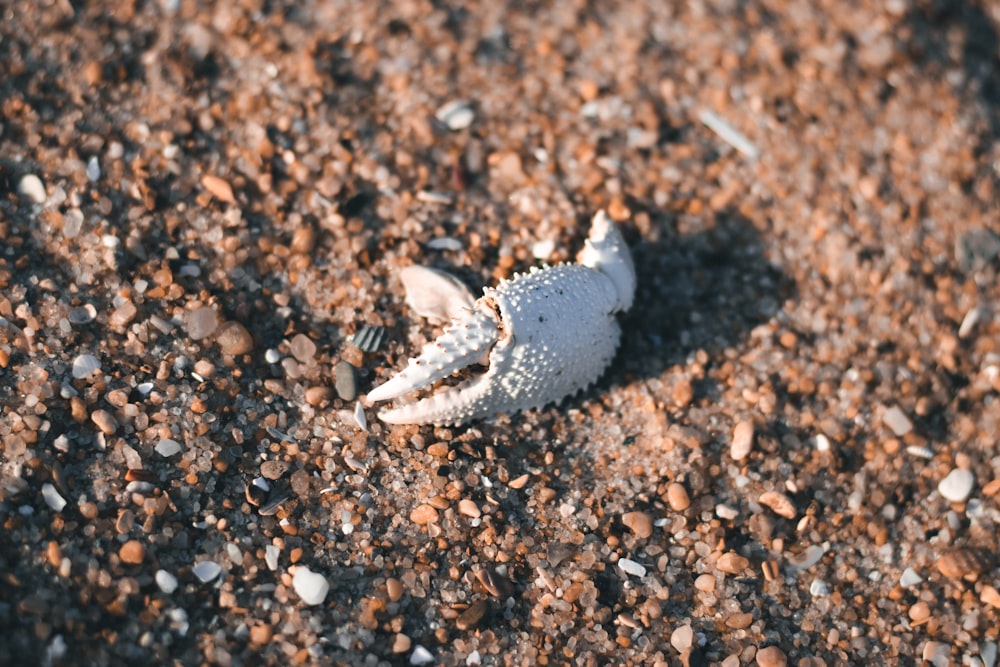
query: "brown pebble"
125, 522
471, 617
234, 339
345, 380
739, 620
424, 514
683, 393
732, 563
920, 612
640, 523
705, 583
519, 481
105, 421
218, 188
469, 508
303, 240
990, 596
204, 368
779, 503
78, 409
88, 510
132, 552
677, 497
394, 589
401, 644
771, 656
963, 563
318, 395
742, 441
260, 634
54, 554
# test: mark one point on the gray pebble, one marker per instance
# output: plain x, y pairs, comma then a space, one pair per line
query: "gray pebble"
346, 381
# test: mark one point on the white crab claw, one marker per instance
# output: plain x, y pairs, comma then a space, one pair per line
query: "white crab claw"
463, 343
548, 333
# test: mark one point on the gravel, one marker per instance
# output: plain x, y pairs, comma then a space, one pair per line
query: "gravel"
206, 211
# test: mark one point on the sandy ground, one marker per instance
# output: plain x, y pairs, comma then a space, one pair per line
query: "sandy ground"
793, 459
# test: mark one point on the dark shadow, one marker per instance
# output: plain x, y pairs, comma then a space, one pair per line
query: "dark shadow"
702, 290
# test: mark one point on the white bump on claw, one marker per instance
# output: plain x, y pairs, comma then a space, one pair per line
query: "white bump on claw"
548, 333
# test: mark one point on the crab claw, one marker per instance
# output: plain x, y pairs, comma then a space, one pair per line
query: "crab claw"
463, 343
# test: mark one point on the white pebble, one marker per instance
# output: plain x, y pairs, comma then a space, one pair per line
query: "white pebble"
957, 486
31, 188
85, 365
359, 416
52, 497
271, 557
455, 115
93, 169
629, 566
909, 578
272, 356
167, 447
727, 512
682, 638
421, 656
311, 586
897, 421
206, 570
822, 443
166, 581
818, 588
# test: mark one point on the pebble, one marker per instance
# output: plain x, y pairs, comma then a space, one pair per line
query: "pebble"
53, 498
897, 421
167, 447
424, 514
206, 570
359, 416
261, 634
303, 240
201, 323
132, 552
234, 339
303, 348
421, 656
85, 365
401, 643
682, 638
640, 523
779, 503
909, 577
271, 553
469, 508
122, 315
84, 314
819, 588
318, 394
345, 380
311, 586
629, 566
31, 188
990, 595
919, 612
742, 440
957, 486
455, 115
394, 589
166, 581
677, 497
937, 653
732, 563
218, 188
771, 656
472, 616
105, 421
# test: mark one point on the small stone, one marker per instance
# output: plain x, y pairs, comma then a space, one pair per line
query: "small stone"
771, 656
234, 339
394, 589
201, 323
318, 395
84, 314
677, 497
359, 416
726, 512
705, 583
218, 188
629, 566
311, 586
819, 588
779, 503
206, 570
85, 365
897, 421
122, 315
937, 653
346, 380
424, 514
990, 596
742, 441
132, 552
303, 240
105, 421
204, 369
455, 115
401, 643
957, 486
472, 616
732, 563
167, 447
683, 393
303, 348
53, 554
166, 581
909, 577
261, 634
469, 508
421, 656
682, 638
919, 612
53, 498
31, 188
640, 523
